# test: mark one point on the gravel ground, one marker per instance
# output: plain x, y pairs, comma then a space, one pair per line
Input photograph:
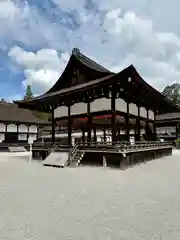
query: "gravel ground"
141, 203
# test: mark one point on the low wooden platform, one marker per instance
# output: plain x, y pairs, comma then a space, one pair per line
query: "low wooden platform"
122, 154
119, 154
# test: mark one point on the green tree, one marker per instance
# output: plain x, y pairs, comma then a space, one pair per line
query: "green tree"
29, 94
172, 92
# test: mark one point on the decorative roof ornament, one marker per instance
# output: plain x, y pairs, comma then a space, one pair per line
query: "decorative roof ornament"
76, 52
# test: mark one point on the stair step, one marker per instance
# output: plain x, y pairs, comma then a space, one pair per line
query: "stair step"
73, 164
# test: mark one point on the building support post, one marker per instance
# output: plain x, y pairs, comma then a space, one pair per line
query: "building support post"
138, 125
95, 136
69, 127
176, 131
127, 122
147, 125
104, 135
83, 135
113, 117
89, 121
154, 125
53, 125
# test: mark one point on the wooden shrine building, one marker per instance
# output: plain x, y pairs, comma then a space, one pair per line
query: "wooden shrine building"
168, 126
17, 124
89, 97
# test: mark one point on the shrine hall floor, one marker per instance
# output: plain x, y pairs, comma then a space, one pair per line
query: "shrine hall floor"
89, 203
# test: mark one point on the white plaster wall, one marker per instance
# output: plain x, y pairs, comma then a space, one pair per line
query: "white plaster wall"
171, 129
11, 128
2, 137
158, 130
151, 115
33, 136
162, 130
23, 128
143, 112
132, 131
142, 131
33, 129
22, 137
79, 108
61, 112
102, 104
2, 127
133, 109
121, 105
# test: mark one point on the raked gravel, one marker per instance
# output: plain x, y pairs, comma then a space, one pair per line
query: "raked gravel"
38, 203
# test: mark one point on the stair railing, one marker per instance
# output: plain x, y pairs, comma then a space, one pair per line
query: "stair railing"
73, 152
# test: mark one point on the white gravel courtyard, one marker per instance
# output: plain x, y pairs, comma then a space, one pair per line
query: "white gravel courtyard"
38, 203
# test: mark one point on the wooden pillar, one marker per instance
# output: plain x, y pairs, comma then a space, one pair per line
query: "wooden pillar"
177, 131
104, 134
127, 122
147, 114
27, 132
154, 123
53, 125
18, 132
94, 137
89, 121
148, 131
147, 122
69, 127
138, 125
83, 135
113, 117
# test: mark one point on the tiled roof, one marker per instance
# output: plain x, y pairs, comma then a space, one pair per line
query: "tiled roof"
91, 64
12, 113
168, 116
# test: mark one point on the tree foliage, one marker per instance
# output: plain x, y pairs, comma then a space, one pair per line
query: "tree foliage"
172, 92
29, 94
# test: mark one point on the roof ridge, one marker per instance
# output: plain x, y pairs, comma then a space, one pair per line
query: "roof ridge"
77, 53
81, 54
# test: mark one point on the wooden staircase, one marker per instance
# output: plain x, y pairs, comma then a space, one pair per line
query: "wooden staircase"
76, 156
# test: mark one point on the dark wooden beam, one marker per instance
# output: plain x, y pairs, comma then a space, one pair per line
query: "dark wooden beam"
127, 121
69, 127
113, 117
95, 136
53, 124
83, 135
138, 124
104, 130
89, 121
154, 123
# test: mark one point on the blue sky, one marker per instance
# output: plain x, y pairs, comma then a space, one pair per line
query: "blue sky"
37, 37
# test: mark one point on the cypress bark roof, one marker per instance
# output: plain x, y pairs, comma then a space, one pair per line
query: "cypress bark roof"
98, 76
168, 116
10, 112
78, 61
151, 97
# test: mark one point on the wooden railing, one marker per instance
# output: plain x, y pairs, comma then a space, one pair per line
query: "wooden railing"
122, 145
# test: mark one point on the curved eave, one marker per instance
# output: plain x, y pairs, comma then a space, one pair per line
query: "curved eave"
152, 95
67, 71
75, 60
92, 64
154, 91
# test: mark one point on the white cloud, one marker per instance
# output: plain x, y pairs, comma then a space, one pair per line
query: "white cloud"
70, 4
25, 24
116, 33
41, 69
8, 10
